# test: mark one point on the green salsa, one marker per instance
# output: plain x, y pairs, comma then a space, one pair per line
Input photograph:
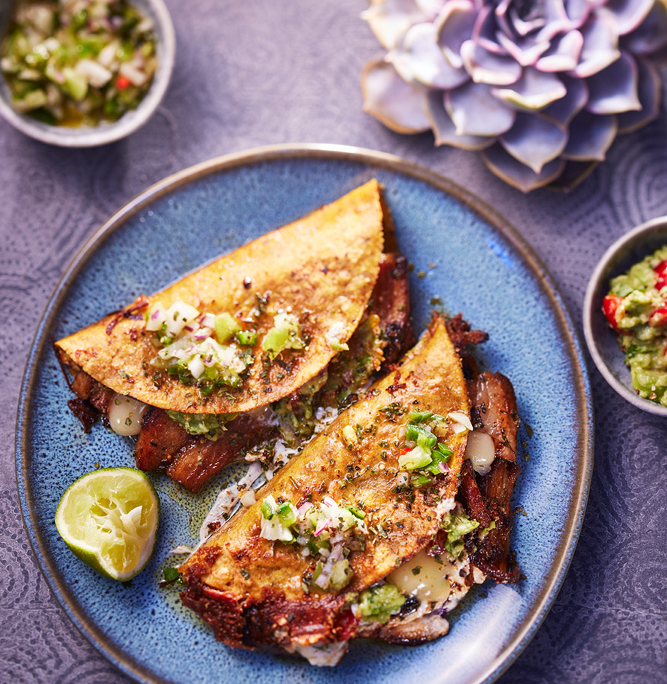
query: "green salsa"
78, 62
636, 308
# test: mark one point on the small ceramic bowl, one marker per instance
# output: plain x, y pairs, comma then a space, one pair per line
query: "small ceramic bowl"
601, 340
92, 136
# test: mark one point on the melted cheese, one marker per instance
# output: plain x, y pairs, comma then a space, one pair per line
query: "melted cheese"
424, 578
125, 415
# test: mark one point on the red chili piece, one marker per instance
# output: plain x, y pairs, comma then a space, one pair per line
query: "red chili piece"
658, 317
661, 272
609, 306
122, 82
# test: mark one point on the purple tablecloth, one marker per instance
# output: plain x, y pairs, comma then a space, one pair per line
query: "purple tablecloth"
258, 72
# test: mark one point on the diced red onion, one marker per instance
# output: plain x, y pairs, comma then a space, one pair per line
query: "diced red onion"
155, 314
303, 508
321, 526
329, 501
207, 320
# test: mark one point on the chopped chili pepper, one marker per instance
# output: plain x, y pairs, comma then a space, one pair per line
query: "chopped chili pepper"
661, 272
122, 82
609, 306
658, 317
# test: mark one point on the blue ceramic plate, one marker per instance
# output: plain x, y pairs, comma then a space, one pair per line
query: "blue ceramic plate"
465, 255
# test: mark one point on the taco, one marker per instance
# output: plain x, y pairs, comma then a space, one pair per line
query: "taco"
250, 327
296, 320
366, 532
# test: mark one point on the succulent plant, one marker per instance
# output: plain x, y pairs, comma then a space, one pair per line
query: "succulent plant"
539, 87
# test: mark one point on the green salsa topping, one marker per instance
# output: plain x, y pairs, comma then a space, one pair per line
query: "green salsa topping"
425, 457
78, 63
207, 424
636, 308
457, 524
327, 532
380, 603
200, 349
285, 334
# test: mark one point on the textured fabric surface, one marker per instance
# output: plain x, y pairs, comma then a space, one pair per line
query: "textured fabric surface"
257, 72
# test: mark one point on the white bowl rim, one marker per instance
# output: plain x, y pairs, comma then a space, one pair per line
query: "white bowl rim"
588, 312
132, 121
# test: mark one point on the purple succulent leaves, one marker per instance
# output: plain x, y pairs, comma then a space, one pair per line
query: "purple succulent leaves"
444, 130
539, 87
629, 14
513, 172
590, 137
563, 53
454, 26
391, 19
614, 90
651, 35
399, 105
648, 91
534, 141
421, 59
534, 90
488, 67
564, 110
600, 46
475, 111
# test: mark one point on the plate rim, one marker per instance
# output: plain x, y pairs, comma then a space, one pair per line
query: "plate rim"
577, 507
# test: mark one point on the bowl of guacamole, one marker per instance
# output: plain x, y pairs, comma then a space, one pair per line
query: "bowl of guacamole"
625, 316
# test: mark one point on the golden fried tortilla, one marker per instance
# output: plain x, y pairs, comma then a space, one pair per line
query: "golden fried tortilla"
322, 268
249, 569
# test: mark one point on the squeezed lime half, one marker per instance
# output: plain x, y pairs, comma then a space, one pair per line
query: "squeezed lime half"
109, 518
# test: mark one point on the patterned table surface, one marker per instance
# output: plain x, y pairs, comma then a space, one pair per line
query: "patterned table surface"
258, 72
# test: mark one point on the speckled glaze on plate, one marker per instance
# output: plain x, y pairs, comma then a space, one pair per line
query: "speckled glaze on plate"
469, 258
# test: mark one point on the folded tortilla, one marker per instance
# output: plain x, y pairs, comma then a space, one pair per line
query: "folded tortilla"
321, 268
246, 587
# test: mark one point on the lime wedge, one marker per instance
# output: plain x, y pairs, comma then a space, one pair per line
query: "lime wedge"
109, 518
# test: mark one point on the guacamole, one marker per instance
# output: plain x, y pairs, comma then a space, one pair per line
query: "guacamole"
636, 308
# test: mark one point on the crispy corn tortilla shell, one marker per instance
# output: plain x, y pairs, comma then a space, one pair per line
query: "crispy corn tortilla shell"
430, 378
322, 268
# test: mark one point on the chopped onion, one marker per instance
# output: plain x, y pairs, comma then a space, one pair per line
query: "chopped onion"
321, 526
248, 499
95, 74
303, 508
460, 418
155, 319
207, 321
196, 367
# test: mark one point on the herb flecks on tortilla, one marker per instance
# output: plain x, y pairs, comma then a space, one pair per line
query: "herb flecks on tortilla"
289, 300
344, 466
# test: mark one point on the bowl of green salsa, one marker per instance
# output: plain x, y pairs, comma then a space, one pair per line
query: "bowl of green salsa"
625, 316
81, 73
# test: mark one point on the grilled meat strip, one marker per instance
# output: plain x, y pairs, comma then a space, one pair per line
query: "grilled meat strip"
487, 497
